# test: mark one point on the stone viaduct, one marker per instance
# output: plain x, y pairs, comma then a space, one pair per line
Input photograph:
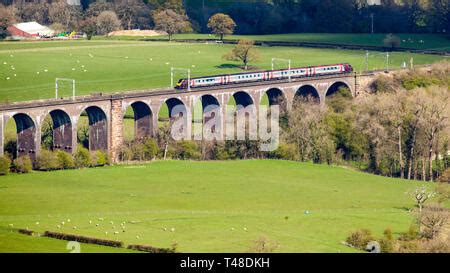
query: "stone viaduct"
106, 111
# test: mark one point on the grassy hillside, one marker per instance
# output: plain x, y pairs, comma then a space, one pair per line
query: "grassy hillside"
28, 69
205, 206
408, 40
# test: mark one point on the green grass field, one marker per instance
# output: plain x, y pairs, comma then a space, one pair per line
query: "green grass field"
408, 40
28, 69
208, 204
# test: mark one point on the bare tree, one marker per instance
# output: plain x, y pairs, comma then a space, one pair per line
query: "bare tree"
244, 51
421, 195
107, 21
395, 108
369, 120
435, 119
171, 22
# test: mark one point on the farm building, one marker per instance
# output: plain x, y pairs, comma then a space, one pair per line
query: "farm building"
29, 30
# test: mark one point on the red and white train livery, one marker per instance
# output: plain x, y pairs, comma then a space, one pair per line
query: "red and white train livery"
267, 75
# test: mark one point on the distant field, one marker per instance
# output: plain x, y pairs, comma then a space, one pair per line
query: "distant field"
208, 204
408, 40
28, 69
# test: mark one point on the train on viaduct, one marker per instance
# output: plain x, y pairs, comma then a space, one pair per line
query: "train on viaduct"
106, 111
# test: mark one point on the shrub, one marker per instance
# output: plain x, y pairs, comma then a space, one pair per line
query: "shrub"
82, 157
150, 148
5, 164
387, 242
188, 150
138, 150
65, 160
432, 221
99, 158
383, 84
436, 246
445, 176
82, 239
408, 247
126, 154
411, 234
386, 245
46, 161
219, 152
360, 238
151, 249
286, 151
388, 234
23, 164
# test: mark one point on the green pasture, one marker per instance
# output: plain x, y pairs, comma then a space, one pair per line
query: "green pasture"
220, 206
408, 40
28, 69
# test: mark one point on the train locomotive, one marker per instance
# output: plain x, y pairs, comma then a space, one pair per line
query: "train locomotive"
267, 75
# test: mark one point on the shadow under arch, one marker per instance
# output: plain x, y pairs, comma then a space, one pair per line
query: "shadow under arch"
98, 128
61, 131
338, 86
26, 136
143, 120
307, 92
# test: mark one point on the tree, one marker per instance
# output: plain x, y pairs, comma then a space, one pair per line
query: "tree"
435, 119
132, 13
221, 24
96, 8
244, 51
6, 19
89, 26
58, 27
107, 21
171, 22
32, 11
63, 13
391, 41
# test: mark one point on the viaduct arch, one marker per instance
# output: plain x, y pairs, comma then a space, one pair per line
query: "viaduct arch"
106, 112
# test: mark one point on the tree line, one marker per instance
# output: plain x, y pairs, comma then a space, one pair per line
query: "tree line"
250, 17
329, 16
